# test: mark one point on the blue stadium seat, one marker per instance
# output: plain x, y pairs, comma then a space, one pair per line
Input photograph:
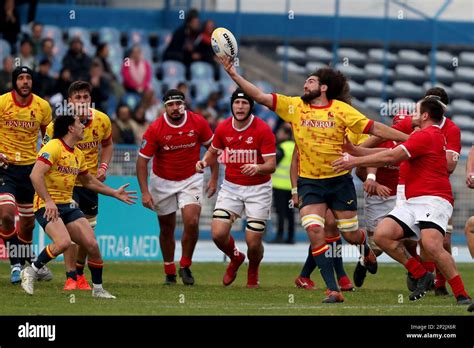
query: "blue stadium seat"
171, 83
157, 87
52, 32
464, 121
467, 137
264, 86
442, 74
444, 58
412, 57
464, 74
463, 90
407, 89
115, 52
5, 49
410, 73
427, 85
131, 99
313, 66
374, 103
376, 71
352, 71
461, 106
173, 69
293, 67
294, 54
147, 52
83, 33
320, 53
357, 90
227, 88
352, 55
109, 35
466, 58
374, 88
202, 89
376, 55
223, 74
137, 37
202, 71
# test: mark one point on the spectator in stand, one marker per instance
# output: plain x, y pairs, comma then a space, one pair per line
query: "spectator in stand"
100, 86
36, 38
102, 54
203, 44
182, 44
136, 72
6, 75
44, 83
141, 123
10, 25
123, 127
63, 82
184, 88
26, 54
48, 51
151, 106
76, 60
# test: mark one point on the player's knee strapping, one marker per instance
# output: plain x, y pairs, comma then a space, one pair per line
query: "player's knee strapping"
92, 221
449, 229
312, 220
348, 225
223, 215
256, 225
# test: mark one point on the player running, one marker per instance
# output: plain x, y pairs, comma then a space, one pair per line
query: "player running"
22, 114
174, 141
319, 120
247, 146
97, 135
59, 164
425, 214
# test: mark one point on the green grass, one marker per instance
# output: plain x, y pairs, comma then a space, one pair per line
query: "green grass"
140, 291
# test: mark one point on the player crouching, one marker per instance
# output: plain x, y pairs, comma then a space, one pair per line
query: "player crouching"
246, 145
54, 174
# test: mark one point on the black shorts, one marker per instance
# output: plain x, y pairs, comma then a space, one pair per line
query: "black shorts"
338, 193
68, 212
16, 181
87, 200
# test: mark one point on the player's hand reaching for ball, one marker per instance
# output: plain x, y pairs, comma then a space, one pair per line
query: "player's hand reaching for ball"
249, 169
346, 162
470, 180
126, 196
50, 211
200, 165
147, 201
228, 64
3, 161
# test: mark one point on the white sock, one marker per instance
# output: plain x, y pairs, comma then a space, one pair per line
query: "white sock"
97, 286
36, 269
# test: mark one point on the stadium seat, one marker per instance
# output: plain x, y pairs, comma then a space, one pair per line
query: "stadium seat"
357, 90
467, 137
172, 69
376, 71
444, 58
466, 58
464, 121
147, 52
170, 83
374, 103
374, 88
80, 32
294, 54
461, 106
412, 57
227, 88
353, 56
223, 74
352, 71
427, 85
407, 104
293, 67
410, 73
313, 66
137, 37
109, 35
407, 89
376, 55
442, 74
464, 74
264, 86
5, 50
465, 150
202, 71
463, 90
157, 87
26, 29
115, 52
201, 89
131, 99
319, 53
52, 32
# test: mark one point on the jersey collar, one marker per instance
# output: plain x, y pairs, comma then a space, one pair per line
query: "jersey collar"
89, 119
17, 103
443, 122
247, 126
179, 125
66, 146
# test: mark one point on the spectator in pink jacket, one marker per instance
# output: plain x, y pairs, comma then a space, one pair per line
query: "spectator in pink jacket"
136, 72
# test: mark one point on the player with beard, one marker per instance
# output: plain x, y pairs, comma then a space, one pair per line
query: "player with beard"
22, 115
174, 141
247, 146
319, 120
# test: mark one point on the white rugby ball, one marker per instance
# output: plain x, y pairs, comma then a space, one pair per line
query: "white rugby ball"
223, 43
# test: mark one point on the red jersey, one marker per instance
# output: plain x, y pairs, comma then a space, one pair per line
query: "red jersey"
388, 175
175, 148
243, 146
451, 132
427, 167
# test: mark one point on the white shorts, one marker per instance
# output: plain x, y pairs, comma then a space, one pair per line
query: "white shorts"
169, 196
256, 200
423, 209
376, 208
400, 195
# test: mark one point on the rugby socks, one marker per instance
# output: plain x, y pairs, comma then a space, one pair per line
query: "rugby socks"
26, 244
185, 262
80, 267
170, 268
309, 265
415, 268
325, 265
364, 245
96, 271
335, 243
230, 249
13, 251
440, 280
457, 286
43, 258
429, 266
72, 275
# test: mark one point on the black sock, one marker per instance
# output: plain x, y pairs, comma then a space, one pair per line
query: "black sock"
336, 252
326, 266
13, 250
72, 275
96, 272
44, 257
309, 265
80, 268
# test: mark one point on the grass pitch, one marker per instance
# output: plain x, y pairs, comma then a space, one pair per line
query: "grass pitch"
140, 291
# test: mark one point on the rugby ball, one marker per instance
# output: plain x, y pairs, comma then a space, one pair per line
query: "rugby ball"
223, 43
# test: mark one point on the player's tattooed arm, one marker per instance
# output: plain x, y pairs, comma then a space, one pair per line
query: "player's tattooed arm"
386, 132
380, 159
142, 177
95, 185
37, 179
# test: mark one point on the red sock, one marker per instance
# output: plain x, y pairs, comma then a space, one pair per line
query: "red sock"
253, 266
185, 262
363, 236
429, 266
440, 280
170, 268
415, 268
457, 286
230, 249
412, 251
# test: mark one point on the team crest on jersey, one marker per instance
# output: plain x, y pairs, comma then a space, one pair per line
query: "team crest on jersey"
95, 133
168, 137
330, 115
32, 115
249, 140
166, 147
229, 139
143, 144
191, 133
